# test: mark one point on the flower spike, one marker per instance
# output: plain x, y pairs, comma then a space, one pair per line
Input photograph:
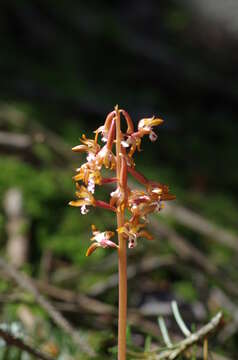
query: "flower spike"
132, 207
140, 203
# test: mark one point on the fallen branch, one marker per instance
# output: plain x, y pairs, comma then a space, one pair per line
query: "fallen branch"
199, 224
27, 284
182, 247
71, 301
84, 302
13, 341
15, 142
146, 265
192, 339
186, 251
172, 351
224, 301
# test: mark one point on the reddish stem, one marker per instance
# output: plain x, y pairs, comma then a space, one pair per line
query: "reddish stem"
130, 126
138, 176
111, 135
122, 256
109, 180
104, 205
109, 119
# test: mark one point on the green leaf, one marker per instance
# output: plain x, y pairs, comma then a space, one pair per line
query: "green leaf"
128, 335
147, 343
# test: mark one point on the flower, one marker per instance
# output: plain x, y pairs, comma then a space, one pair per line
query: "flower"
89, 145
132, 230
103, 131
141, 203
118, 198
133, 141
105, 157
145, 127
90, 175
89, 172
101, 239
159, 191
85, 198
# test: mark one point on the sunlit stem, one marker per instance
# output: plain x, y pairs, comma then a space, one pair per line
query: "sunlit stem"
122, 260
138, 176
111, 135
130, 127
104, 205
109, 180
109, 119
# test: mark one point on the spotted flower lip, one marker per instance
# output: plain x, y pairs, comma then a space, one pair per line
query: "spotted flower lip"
101, 239
140, 204
132, 230
85, 198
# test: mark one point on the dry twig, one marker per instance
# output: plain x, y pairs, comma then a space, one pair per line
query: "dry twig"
201, 225
174, 350
192, 339
13, 341
27, 284
223, 300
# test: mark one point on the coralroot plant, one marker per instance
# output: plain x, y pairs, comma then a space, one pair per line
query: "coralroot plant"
130, 206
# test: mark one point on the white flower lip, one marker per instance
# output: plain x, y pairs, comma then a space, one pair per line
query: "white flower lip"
125, 144
84, 210
91, 186
117, 192
100, 236
90, 157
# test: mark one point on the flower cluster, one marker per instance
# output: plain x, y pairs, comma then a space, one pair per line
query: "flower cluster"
101, 154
